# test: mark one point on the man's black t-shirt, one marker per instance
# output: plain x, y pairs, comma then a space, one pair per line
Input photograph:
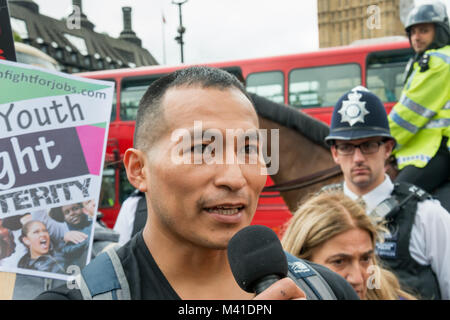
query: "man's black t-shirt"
147, 282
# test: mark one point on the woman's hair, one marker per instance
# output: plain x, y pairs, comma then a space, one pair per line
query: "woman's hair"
327, 215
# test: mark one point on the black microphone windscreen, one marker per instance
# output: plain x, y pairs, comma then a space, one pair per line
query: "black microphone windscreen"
255, 252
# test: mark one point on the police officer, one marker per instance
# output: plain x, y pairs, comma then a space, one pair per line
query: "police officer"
420, 121
417, 247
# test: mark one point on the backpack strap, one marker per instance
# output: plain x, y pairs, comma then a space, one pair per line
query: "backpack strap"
308, 279
140, 216
104, 278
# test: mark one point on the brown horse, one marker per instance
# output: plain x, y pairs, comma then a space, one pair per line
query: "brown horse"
302, 150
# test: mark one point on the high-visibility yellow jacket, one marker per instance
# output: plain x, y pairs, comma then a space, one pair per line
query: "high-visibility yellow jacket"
421, 118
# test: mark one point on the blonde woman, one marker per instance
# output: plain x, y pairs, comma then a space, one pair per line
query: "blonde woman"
333, 230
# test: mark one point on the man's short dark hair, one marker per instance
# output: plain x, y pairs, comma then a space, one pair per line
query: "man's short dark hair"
150, 121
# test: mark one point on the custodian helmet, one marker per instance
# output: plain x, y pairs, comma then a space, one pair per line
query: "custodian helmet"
358, 114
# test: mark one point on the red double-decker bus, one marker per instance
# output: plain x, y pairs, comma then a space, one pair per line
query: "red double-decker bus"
311, 82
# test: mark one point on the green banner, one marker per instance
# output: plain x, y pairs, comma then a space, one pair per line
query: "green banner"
17, 84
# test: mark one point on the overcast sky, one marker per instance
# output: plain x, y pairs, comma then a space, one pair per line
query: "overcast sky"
216, 30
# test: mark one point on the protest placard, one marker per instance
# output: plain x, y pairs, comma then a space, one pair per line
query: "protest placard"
53, 134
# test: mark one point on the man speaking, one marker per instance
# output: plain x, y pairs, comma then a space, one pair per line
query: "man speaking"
194, 209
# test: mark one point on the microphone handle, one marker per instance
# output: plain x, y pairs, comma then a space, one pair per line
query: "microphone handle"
265, 282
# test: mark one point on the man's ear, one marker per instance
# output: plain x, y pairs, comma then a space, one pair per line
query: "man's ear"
334, 154
389, 147
134, 161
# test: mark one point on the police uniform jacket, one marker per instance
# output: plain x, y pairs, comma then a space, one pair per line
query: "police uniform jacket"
421, 118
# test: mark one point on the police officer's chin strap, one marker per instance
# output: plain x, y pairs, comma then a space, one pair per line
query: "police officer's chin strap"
410, 65
441, 38
409, 68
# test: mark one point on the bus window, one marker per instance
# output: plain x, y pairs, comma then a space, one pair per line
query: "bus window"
385, 72
322, 86
131, 94
125, 187
267, 84
107, 190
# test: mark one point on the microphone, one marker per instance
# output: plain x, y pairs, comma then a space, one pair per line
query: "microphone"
256, 258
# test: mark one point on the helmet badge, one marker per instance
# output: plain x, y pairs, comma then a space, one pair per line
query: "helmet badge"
353, 110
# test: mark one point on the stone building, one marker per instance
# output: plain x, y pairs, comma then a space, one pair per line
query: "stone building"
78, 48
342, 22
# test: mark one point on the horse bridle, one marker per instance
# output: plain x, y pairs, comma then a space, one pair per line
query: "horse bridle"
304, 181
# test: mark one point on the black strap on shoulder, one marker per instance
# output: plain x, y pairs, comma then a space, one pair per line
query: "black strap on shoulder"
424, 62
140, 216
408, 70
404, 190
402, 194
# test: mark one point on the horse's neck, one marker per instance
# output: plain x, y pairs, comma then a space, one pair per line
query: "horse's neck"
298, 157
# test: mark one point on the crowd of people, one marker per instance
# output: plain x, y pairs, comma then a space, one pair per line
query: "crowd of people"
368, 237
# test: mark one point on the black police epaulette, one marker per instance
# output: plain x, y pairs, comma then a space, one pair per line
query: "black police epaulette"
423, 62
407, 188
